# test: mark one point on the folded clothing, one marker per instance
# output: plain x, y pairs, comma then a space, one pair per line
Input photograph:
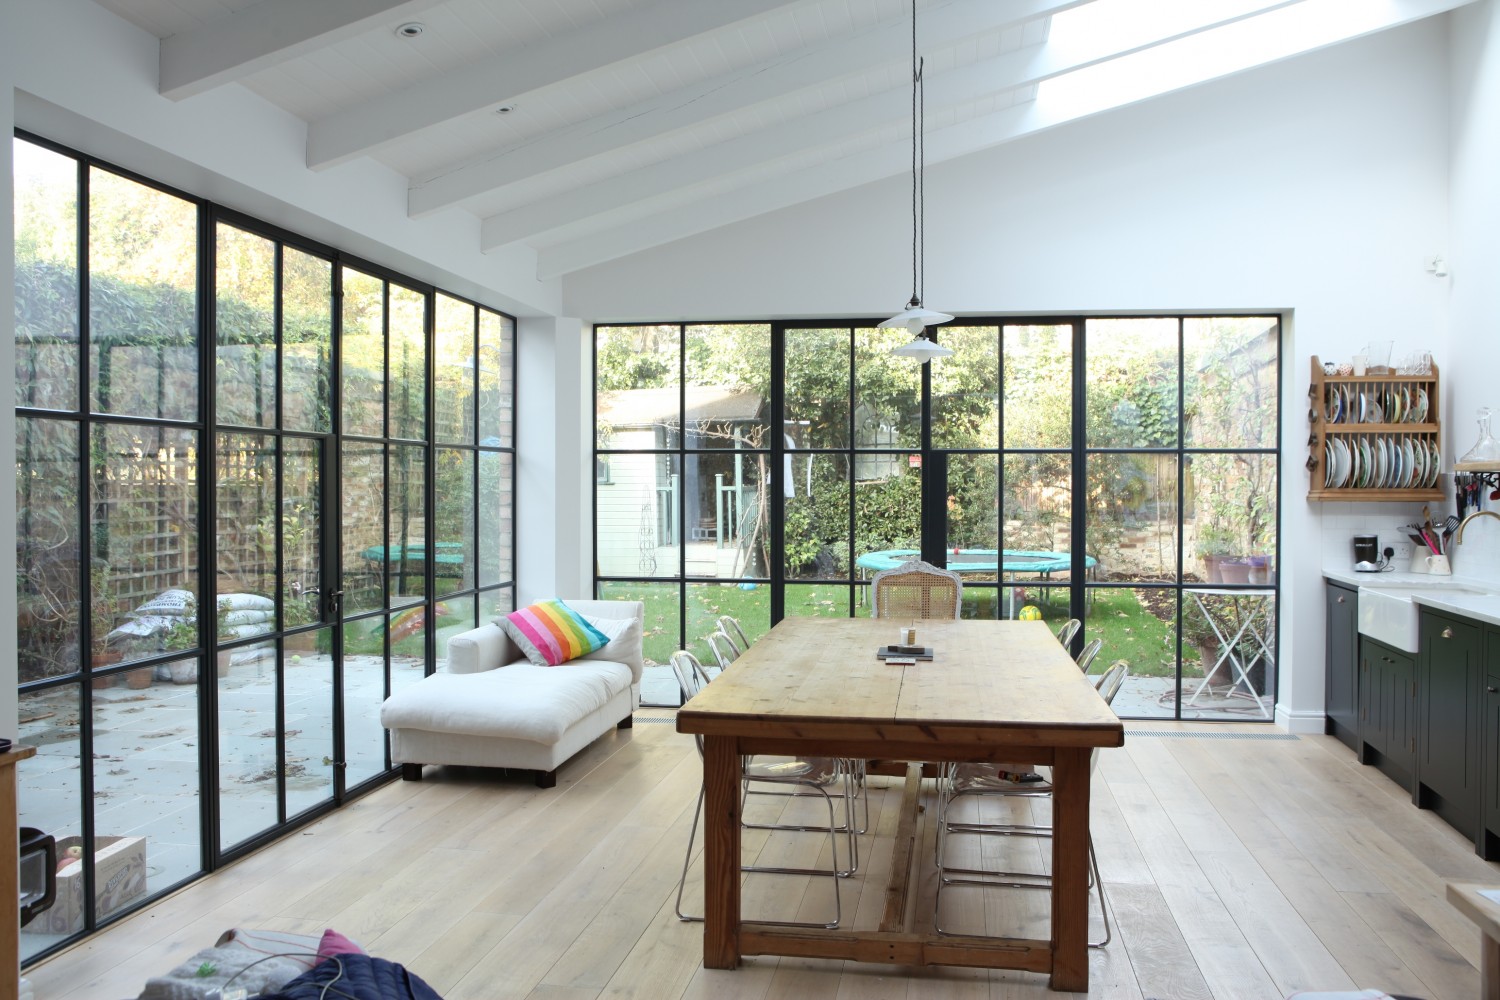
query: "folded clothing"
362, 977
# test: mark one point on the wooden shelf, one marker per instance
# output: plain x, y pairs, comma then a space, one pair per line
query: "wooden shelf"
1427, 434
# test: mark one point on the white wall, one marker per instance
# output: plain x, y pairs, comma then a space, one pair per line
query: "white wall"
1314, 186
1474, 250
8, 668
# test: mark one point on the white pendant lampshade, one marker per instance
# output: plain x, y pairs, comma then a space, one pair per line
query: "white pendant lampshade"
916, 319
922, 349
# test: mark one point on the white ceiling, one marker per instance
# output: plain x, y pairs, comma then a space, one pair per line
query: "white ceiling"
637, 122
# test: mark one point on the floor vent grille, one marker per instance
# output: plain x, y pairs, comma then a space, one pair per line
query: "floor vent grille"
656, 719
1177, 734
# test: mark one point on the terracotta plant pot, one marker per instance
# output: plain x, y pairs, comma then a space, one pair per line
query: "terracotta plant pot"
1234, 570
105, 658
138, 679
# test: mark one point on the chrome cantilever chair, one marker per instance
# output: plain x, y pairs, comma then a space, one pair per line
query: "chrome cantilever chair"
723, 649
916, 590
982, 780
1085, 657
1067, 630
813, 773
730, 626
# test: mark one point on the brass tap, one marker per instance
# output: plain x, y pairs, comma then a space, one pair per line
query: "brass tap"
1458, 536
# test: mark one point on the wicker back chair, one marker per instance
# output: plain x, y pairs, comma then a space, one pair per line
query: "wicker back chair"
916, 589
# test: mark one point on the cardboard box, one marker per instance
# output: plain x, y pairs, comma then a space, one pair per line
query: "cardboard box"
119, 878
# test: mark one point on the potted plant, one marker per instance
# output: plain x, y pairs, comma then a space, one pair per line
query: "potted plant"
1215, 545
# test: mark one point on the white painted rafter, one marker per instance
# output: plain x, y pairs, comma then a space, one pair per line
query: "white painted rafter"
1021, 68
264, 34
392, 116
942, 25
1297, 29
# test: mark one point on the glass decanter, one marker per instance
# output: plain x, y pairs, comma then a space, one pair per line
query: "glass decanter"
1487, 449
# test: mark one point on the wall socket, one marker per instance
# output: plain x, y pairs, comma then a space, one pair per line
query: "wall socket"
1403, 551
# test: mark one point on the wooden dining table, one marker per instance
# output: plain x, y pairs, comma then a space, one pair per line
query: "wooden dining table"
993, 691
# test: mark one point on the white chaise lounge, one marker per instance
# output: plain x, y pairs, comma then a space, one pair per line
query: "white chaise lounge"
492, 708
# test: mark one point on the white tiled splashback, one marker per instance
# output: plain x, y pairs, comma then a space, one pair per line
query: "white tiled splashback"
1478, 557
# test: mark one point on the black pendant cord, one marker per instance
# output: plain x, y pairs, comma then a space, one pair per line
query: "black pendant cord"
916, 189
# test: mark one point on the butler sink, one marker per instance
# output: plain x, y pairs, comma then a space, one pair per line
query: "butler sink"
1390, 615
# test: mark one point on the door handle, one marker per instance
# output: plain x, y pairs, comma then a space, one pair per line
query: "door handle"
333, 603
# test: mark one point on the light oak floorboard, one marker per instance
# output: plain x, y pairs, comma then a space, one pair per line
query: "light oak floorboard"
1233, 869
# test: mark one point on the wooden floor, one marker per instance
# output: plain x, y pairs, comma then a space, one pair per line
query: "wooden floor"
1235, 867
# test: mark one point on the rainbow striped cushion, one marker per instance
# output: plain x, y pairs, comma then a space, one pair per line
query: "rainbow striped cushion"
550, 633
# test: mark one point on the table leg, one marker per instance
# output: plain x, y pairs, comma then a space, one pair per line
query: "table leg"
721, 853
1070, 870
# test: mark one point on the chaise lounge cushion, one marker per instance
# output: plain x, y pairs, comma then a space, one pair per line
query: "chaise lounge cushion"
518, 701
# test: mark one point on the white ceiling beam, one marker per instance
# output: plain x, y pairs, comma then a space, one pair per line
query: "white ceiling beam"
941, 26
357, 130
264, 34
1288, 32
1012, 70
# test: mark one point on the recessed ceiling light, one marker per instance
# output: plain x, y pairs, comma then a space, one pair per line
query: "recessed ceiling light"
505, 109
411, 29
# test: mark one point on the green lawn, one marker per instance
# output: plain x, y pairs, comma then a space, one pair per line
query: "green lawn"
1130, 631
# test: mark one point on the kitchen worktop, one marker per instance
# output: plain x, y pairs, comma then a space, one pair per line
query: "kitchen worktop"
1434, 593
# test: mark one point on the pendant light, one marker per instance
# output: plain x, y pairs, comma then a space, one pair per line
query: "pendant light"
914, 317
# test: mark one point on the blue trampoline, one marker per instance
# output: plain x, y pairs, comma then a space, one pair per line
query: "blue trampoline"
981, 561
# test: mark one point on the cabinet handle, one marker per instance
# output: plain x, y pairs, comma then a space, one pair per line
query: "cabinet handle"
1341, 598
1447, 633
1492, 689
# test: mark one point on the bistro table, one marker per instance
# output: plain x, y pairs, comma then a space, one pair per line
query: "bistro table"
994, 691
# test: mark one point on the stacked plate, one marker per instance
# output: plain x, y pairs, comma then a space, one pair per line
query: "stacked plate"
1376, 404
1379, 462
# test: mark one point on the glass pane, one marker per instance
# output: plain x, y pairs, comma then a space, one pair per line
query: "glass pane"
973, 509
454, 616
47, 570
662, 634
1228, 655
247, 529
143, 570
1038, 502
408, 354
249, 799
817, 388
308, 678
966, 389
887, 512
981, 598
1132, 516
454, 371
46, 252
50, 798
363, 527
497, 602
145, 789
1231, 520
823, 600
497, 387
1039, 385
306, 341
406, 536
455, 555
724, 501
1140, 627
363, 353
301, 532
1229, 387
364, 690
496, 518
637, 372
637, 517
728, 385
143, 299
817, 517
887, 391
749, 603
245, 325
1132, 383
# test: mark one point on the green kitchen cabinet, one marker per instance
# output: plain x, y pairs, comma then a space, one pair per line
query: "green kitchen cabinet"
1341, 658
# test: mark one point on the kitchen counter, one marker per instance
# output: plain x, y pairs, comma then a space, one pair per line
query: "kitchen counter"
1483, 607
